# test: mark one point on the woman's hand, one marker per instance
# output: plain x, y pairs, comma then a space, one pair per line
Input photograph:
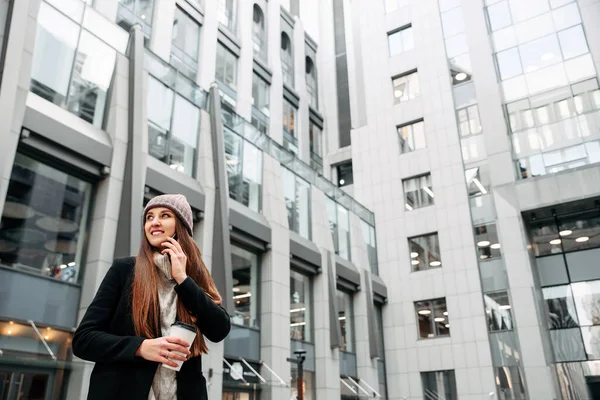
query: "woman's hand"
178, 259
162, 350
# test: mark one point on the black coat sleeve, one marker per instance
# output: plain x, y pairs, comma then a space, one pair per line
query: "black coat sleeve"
92, 341
211, 318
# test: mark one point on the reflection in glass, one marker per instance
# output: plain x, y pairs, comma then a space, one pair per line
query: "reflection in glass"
290, 141
509, 383
186, 43
591, 341
297, 201
368, 232
418, 192
432, 317
573, 42
244, 171
498, 311
308, 379
20, 339
226, 71
311, 83
560, 307
486, 238
287, 60
346, 320
316, 146
468, 121
259, 33
133, 12
412, 136
245, 280
570, 233
499, 15
260, 94
227, 14
587, 302
425, 252
44, 221
401, 41
300, 307
438, 385
478, 180
509, 63
406, 87
567, 345
339, 224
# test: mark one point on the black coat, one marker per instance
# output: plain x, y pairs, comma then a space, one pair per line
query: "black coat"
106, 336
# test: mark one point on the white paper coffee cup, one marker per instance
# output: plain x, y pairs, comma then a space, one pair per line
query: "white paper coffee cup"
183, 331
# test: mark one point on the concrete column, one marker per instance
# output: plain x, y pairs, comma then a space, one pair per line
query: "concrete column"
19, 44
275, 346
300, 82
162, 28
245, 62
273, 16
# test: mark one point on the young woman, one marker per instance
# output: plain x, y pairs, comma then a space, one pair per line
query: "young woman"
125, 330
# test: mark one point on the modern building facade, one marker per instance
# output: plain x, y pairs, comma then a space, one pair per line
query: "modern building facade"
408, 191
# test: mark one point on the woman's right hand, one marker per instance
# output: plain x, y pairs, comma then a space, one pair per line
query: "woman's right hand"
158, 349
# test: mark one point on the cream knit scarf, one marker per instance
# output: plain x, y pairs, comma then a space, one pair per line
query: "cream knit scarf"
164, 384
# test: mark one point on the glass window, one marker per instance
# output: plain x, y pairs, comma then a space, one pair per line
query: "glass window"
401, 41
80, 78
477, 181
460, 69
346, 319
560, 307
173, 127
575, 232
308, 379
287, 60
260, 94
452, 22
488, 245
259, 33
345, 174
499, 16
509, 383
290, 141
244, 171
425, 252
509, 63
44, 221
468, 121
498, 311
406, 87
136, 11
297, 201
368, 232
300, 307
226, 71
573, 42
566, 17
587, 299
418, 192
245, 283
540, 53
412, 136
464, 95
439, 385
432, 317
311, 83
186, 43
522, 10
316, 143
339, 224
227, 14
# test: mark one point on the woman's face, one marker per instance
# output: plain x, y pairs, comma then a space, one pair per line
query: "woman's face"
159, 224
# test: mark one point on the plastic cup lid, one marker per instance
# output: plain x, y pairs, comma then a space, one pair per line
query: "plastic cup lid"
185, 326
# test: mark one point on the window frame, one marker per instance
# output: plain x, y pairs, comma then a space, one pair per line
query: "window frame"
182, 55
259, 35
433, 325
296, 223
348, 346
226, 55
312, 83
427, 260
290, 117
419, 196
405, 75
410, 127
287, 59
403, 30
255, 323
309, 312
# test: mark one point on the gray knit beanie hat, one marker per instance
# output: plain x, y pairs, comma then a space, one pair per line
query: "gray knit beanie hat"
176, 203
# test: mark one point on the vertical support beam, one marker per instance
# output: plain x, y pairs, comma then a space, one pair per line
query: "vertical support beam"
129, 231
15, 71
221, 252
374, 336
335, 332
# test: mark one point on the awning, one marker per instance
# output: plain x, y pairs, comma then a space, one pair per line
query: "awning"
359, 390
238, 369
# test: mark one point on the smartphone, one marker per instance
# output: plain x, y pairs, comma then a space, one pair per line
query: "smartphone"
175, 238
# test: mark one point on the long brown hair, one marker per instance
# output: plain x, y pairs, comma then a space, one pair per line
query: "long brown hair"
144, 296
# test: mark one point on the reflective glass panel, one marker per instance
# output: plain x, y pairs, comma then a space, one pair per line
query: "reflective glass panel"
412, 137
486, 238
226, 71
499, 15
432, 317
406, 87
346, 320
401, 41
300, 307
438, 385
560, 307
245, 280
498, 311
44, 220
425, 252
418, 192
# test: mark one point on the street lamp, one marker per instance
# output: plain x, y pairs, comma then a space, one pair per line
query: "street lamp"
299, 360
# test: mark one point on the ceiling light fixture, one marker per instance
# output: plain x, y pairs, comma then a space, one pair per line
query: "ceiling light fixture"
429, 192
461, 76
582, 239
483, 243
398, 93
414, 254
242, 296
435, 264
415, 262
298, 309
236, 289
555, 241
342, 181
439, 319
566, 232
425, 312
496, 246
479, 186
445, 313
408, 207
504, 307
447, 325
